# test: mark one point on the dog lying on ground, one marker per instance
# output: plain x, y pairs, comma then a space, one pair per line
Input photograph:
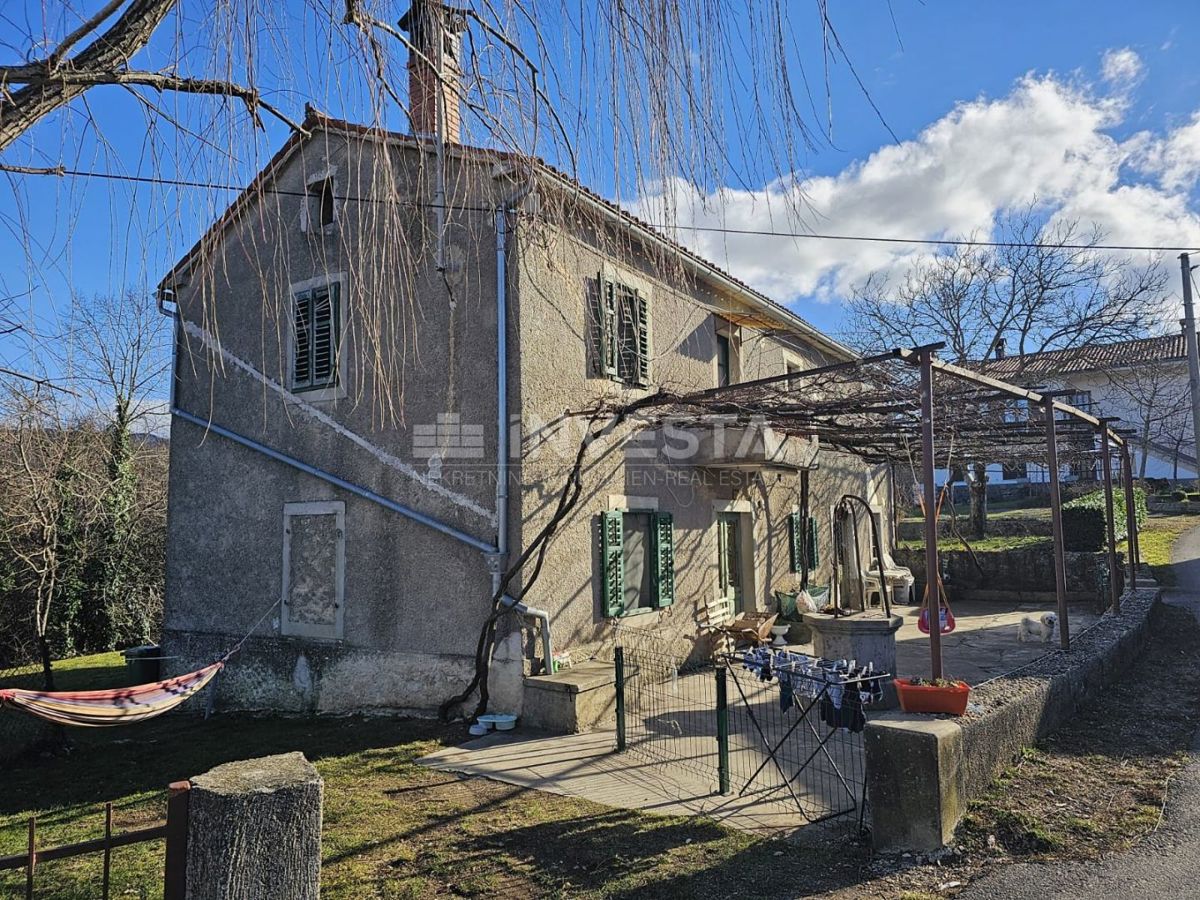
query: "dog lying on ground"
1041, 628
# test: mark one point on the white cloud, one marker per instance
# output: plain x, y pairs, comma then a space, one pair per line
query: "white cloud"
1122, 66
1047, 141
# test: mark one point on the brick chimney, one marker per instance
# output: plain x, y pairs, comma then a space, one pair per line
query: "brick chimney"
436, 31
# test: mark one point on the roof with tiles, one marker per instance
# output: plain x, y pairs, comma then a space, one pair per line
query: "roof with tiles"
1091, 357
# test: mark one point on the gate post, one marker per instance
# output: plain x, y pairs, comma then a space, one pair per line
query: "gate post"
619, 662
722, 731
175, 876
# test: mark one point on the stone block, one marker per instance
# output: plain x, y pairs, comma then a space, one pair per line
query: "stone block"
571, 701
914, 778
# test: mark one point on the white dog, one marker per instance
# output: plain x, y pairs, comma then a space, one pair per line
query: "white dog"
1041, 628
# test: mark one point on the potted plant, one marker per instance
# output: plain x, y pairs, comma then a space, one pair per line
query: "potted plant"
939, 695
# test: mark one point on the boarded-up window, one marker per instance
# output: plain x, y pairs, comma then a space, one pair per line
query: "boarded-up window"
314, 564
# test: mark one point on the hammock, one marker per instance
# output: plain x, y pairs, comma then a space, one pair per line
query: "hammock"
119, 706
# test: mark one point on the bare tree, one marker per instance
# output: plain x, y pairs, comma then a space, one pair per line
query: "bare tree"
48, 483
1160, 409
1045, 288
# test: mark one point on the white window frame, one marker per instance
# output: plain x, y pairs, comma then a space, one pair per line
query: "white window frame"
335, 391
303, 629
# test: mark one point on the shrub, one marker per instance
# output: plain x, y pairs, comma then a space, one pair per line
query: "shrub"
1179, 496
1084, 526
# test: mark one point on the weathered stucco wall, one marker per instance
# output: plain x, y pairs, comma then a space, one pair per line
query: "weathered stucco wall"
557, 289
413, 598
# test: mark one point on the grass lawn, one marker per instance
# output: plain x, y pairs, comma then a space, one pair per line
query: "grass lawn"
1157, 537
392, 828
83, 673
983, 545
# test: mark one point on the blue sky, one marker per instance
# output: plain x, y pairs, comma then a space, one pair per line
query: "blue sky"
1089, 107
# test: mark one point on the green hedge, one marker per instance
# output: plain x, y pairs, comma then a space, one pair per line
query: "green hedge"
1083, 519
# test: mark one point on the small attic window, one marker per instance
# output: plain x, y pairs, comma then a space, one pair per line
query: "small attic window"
320, 210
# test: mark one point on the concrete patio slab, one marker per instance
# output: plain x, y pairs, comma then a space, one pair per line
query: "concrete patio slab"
586, 766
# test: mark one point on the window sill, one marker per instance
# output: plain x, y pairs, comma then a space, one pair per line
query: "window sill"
317, 395
640, 611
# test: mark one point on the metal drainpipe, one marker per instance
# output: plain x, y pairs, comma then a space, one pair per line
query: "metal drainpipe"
502, 431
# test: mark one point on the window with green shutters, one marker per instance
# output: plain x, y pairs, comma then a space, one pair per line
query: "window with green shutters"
316, 332
622, 333
637, 555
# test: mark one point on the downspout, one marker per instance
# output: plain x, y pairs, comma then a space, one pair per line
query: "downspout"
502, 430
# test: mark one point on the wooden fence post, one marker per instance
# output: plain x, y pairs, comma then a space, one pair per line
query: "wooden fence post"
175, 876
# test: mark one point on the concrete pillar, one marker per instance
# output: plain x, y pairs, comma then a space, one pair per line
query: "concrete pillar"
254, 831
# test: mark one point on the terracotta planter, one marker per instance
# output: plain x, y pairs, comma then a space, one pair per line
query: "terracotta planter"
926, 698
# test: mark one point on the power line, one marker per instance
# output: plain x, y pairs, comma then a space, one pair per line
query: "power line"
714, 229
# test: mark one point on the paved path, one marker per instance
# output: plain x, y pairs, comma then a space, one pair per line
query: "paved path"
1167, 864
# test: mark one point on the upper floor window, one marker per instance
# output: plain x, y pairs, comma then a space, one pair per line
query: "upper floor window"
728, 363
316, 332
622, 333
320, 208
724, 360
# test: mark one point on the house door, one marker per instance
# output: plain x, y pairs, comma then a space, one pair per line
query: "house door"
730, 585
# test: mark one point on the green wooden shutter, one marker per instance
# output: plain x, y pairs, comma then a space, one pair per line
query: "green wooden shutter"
302, 339
612, 558
664, 560
324, 335
606, 328
814, 555
643, 339
795, 538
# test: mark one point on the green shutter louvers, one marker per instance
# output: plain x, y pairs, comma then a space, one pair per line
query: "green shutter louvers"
606, 327
814, 556
664, 560
795, 540
612, 537
642, 319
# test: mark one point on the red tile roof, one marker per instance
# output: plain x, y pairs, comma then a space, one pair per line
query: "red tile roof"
1087, 358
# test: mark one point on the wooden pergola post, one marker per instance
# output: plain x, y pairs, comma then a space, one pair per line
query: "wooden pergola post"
1131, 528
1109, 514
932, 579
1060, 560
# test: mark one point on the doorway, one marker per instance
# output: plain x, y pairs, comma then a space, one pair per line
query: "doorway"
731, 583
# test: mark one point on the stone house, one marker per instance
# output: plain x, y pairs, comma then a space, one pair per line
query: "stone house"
373, 391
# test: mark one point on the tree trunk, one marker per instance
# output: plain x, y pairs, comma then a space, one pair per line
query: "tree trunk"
47, 663
978, 489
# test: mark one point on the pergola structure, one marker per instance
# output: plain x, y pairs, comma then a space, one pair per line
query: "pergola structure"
906, 405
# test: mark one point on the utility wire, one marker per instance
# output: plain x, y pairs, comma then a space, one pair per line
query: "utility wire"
663, 227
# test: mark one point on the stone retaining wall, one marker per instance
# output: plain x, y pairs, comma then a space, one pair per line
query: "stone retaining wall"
1022, 573
922, 772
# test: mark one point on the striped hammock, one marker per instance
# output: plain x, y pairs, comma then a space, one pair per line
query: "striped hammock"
113, 707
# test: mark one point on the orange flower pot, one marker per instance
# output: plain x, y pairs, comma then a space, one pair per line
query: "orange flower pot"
927, 698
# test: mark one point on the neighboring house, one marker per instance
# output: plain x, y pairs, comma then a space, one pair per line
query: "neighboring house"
350, 471
1143, 381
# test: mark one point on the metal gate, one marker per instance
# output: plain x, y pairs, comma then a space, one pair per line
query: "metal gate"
745, 736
